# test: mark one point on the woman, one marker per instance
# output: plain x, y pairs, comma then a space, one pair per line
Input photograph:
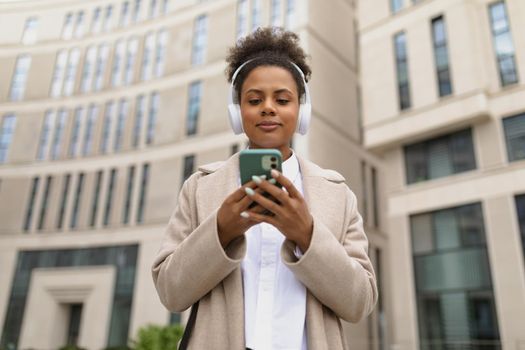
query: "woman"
281, 274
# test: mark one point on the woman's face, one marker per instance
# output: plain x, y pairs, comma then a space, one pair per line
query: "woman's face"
269, 107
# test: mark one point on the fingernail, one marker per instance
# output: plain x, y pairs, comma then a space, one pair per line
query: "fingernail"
249, 191
256, 179
275, 173
245, 215
263, 177
272, 181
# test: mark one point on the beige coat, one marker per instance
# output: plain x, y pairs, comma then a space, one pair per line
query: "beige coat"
192, 265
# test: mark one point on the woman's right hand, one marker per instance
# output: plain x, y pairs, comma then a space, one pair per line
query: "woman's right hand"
230, 223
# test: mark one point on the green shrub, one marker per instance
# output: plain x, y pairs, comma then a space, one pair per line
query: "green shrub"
71, 347
154, 337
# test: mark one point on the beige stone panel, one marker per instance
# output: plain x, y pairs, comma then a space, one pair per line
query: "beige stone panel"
14, 194
341, 39
38, 82
24, 144
508, 103
333, 90
221, 21
162, 189
213, 116
372, 13
146, 307
8, 261
421, 68
7, 69
469, 47
394, 166
457, 189
489, 142
456, 114
178, 52
507, 267
13, 20
170, 126
402, 287
212, 155
45, 323
378, 79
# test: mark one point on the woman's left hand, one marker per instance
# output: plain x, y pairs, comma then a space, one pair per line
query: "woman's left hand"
291, 214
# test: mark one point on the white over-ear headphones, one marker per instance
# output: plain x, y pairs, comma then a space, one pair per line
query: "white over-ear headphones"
234, 109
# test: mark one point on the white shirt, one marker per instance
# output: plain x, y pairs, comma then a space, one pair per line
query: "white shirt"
274, 300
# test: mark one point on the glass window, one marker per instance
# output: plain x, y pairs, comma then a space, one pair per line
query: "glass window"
256, 14
140, 106
142, 196
79, 29
129, 194
130, 60
515, 136
520, 207
153, 8
30, 32
100, 67
189, 167
118, 57
63, 202
402, 70
242, 18
441, 56
31, 203
193, 108
136, 10
60, 125
106, 128
160, 54
75, 132
43, 206
503, 45
147, 57
6, 135
109, 197
96, 195
96, 21
87, 72
107, 18
165, 7
396, 5
58, 73
43, 144
90, 126
67, 29
453, 280
375, 197
121, 123
18, 82
124, 14
439, 157
290, 13
152, 118
275, 14
200, 30
77, 201
71, 71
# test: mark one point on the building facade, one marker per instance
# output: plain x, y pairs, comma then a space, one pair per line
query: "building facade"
444, 107
105, 108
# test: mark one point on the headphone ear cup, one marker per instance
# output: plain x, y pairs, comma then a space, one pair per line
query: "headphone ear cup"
234, 111
303, 122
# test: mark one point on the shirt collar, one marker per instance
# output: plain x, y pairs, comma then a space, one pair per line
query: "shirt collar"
291, 167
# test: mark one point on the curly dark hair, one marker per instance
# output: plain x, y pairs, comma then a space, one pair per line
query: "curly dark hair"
269, 46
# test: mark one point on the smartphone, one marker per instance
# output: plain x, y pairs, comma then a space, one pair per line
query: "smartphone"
259, 162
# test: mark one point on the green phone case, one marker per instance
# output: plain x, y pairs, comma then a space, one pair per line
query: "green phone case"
259, 162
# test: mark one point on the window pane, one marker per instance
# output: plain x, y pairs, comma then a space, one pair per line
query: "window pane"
515, 136
6, 135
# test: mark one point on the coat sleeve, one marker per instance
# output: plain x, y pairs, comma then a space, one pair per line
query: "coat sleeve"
339, 274
191, 260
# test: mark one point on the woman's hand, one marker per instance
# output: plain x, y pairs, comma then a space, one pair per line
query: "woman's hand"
230, 223
291, 214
